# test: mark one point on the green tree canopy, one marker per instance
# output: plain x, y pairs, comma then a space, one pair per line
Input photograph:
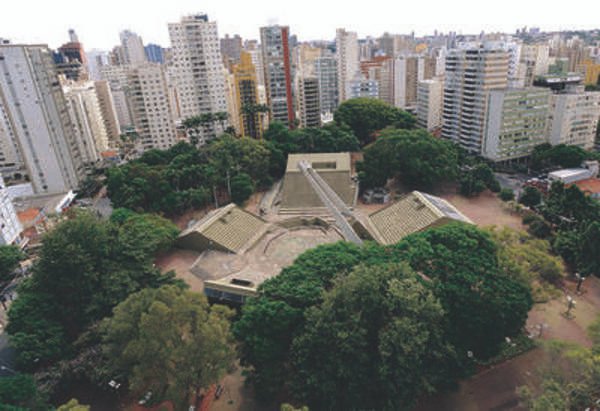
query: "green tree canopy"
169, 340
530, 197
376, 342
19, 392
548, 156
482, 303
86, 266
10, 255
417, 157
241, 188
365, 116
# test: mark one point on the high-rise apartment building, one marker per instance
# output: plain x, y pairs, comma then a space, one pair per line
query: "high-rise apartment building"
327, 74
363, 87
132, 48
535, 61
516, 122
276, 55
109, 112
116, 76
154, 53
472, 70
430, 98
148, 98
197, 71
308, 100
380, 69
86, 116
246, 87
408, 70
231, 48
574, 117
35, 121
10, 227
346, 44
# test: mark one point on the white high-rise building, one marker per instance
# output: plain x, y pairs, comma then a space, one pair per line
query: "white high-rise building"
133, 48
472, 70
35, 120
148, 97
197, 68
346, 43
430, 98
574, 117
408, 70
116, 76
535, 61
327, 74
10, 227
86, 116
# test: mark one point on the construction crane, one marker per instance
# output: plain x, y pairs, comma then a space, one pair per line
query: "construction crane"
331, 200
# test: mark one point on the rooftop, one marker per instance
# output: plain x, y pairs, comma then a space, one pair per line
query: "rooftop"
321, 162
413, 213
589, 185
229, 228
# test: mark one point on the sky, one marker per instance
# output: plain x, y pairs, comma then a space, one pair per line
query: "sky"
99, 22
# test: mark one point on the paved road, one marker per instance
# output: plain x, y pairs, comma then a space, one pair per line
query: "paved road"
512, 181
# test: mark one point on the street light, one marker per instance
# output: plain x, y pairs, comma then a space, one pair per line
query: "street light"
580, 280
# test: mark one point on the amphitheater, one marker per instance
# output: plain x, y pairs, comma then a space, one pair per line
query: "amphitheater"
314, 204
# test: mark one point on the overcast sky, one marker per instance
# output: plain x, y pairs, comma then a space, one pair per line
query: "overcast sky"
99, 22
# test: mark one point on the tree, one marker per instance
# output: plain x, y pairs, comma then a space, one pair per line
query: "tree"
86, 266
525, 258
547, 156
571, 378
19, 391
506, 194
73, 405
241, 188
365, 116
10, 255
170, 341
415, 155
483, 303
589, 256
477, 179
530, 197
376, 342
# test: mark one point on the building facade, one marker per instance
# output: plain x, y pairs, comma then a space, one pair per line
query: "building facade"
10, 227
148, 97
276, 56
196, 71
430, 98
472, 70
574, 117
516, 122
35, 119
246, 87
326, 72
133, 51
346, 44
309, 101
86, 116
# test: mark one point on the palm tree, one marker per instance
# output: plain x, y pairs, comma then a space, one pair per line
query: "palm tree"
221, 117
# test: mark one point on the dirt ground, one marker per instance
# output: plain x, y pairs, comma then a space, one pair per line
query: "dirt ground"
485, 210
181, 261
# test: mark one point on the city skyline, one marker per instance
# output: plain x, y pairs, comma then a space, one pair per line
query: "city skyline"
314, 20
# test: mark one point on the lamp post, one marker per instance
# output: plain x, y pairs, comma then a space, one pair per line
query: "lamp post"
580, 280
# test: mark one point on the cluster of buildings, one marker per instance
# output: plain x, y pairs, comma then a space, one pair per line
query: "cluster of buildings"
67, 111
